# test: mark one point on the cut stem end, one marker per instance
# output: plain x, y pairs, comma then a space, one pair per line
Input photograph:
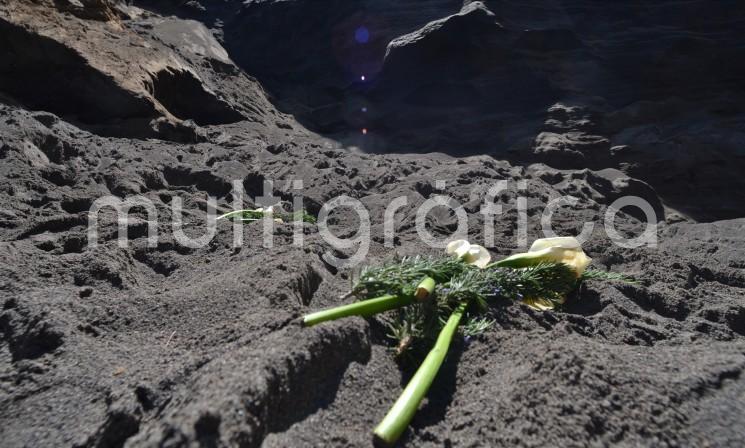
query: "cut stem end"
400, 415
425, 289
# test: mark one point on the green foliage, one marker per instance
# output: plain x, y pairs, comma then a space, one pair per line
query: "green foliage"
302, 215
418, 324
594, 274
244, 215
413, 327
550, 281
475, 326
402, 277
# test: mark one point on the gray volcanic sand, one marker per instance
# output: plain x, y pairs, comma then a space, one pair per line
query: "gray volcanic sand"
175, 346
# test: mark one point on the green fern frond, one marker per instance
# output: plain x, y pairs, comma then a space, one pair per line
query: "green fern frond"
595, 274
402, 277
476, 326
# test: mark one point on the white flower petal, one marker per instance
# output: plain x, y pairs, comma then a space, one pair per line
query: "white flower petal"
539, 304
565, 242
574, 258
565, 250
459, 248
477, 256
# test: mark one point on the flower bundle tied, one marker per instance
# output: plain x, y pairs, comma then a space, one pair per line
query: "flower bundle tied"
433, 298
275, 213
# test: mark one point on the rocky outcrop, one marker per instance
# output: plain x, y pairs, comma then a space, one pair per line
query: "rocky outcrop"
104, 10
120, 71
456, 36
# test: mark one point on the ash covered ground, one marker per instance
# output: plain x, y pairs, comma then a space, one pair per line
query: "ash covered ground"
176, 346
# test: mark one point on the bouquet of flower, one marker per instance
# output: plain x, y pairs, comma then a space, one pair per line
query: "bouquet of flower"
432, 298
250, 215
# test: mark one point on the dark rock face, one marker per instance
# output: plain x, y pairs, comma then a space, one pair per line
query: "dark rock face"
179, 346
574, 85
184, 96
103, 10
120, 71
481, 78
26, 77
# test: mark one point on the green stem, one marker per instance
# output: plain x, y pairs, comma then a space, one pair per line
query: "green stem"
398, 418
363, 308
425, 289
238, 213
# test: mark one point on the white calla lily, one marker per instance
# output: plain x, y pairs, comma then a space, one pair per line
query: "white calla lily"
470, 253
253, 214
565, 242
565, 250
457, 248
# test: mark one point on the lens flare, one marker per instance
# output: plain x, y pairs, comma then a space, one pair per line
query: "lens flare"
362, 35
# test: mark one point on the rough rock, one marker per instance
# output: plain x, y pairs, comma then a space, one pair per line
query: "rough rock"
120, 71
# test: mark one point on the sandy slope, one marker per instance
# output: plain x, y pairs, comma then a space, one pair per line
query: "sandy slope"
171, 346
